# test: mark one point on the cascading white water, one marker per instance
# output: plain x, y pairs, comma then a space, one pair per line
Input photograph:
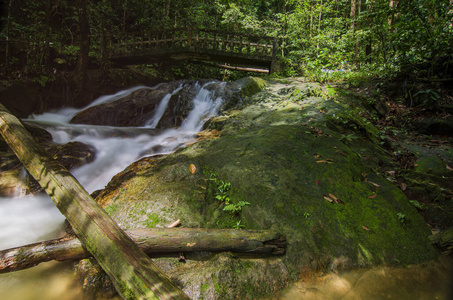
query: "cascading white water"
36, 217
161, 109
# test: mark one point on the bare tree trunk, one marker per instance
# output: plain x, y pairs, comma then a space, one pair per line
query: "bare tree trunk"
319, 24
352, 14
357, 27
124, 16
8, 28
82, 65
392, 5
167, 10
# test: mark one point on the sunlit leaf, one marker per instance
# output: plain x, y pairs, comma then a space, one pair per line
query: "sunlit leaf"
192, 168
328, 199
375, 184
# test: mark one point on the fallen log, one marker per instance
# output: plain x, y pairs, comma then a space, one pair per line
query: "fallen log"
228, 67
132, 272
244, 69
160, 242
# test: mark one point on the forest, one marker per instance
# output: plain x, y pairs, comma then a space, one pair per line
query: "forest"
292, 148
380, 38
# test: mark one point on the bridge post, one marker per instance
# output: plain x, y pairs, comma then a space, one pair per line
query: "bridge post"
274, 55
189, 38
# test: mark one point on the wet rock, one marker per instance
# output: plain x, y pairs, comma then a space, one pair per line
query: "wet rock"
73, 154
308, 168
435, 126
139, 107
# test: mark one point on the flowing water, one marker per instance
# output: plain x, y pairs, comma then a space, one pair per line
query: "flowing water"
26, 219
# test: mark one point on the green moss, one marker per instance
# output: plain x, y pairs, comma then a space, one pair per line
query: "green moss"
204, 287
152, 220
272, 153
112, 209
252, 85
432, 165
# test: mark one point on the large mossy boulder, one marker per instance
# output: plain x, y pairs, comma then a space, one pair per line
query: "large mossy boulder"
291, 158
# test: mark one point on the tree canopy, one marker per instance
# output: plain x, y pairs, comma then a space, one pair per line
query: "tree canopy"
385, 36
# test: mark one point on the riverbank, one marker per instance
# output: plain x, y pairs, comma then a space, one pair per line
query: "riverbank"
306, 159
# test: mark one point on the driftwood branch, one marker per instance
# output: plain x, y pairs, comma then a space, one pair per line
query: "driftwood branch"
131, 270
155, 242
244, 69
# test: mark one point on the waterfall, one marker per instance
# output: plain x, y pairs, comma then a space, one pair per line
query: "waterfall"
116, 148
161, 108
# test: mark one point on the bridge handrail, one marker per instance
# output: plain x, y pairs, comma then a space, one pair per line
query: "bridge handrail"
195, 39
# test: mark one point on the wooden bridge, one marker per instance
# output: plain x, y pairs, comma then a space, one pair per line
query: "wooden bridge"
247, 52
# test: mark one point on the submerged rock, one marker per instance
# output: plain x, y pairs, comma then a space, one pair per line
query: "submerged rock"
289, 158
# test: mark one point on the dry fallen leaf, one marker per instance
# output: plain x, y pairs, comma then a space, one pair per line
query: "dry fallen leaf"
375, 184
333, 197
328, 199
366, 228
317, 182
174, 224
403, 186
192, 168
321, 161
449, 168
191, 244
373, 196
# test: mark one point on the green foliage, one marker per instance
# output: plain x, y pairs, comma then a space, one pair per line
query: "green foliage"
349, 137
111, 209
319, 39
235, 207
428, 98
401, 217
417, 204
222, 194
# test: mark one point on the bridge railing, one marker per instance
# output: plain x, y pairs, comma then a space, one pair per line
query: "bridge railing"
195, 40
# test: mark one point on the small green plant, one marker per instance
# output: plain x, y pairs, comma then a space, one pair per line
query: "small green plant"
417, 204
238, 225
348, 137
111, 209
306, 215
222, 188
401, 217
235, 207
429, 99
222, 193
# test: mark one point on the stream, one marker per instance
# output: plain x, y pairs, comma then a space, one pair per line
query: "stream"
28, 219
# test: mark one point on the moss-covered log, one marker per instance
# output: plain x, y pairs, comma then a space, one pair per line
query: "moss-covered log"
157, 242
131, 270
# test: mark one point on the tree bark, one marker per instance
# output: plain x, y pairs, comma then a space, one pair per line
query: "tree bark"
157, 242
82, 64
131, 270
352, 15
8, 27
